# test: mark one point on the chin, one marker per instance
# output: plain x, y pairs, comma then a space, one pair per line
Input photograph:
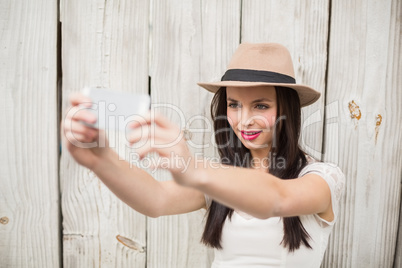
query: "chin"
254, 146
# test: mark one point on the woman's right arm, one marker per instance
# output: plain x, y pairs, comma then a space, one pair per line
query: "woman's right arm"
142, 192
132, 185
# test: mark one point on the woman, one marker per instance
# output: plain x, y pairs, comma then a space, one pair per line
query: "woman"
269, 204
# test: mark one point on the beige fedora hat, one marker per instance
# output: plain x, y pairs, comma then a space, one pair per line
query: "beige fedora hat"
267, 64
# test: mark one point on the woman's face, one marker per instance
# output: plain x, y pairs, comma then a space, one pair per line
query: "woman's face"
251, 113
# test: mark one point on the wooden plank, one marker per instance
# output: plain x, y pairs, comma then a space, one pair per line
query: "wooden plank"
105, 43
301, 26
191, 41
398, 248
395, 67
364, 83
29, 191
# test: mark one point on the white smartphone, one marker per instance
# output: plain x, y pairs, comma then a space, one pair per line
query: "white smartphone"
113, 109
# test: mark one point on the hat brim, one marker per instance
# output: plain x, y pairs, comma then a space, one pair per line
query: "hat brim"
307, 95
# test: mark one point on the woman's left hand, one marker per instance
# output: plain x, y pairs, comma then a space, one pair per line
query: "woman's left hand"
156, 133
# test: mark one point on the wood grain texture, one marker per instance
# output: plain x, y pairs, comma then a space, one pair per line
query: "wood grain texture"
364, 84
301, 26
191, 41
29, 191
108, 43
393, 84
105, 43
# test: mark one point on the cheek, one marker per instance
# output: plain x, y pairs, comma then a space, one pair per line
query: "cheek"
232, 118
267, 120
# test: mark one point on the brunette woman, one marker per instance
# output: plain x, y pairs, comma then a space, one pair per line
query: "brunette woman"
268, 204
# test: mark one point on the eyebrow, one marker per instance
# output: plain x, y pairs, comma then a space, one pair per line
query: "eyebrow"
254, 101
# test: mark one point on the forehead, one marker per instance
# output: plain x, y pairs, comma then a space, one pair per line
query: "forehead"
251, 93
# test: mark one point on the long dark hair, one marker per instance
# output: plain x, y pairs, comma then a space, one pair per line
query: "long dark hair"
233, 152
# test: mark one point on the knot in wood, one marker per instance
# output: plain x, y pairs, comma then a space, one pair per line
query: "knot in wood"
4, 220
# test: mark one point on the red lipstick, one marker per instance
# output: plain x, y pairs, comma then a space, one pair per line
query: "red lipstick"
250, 135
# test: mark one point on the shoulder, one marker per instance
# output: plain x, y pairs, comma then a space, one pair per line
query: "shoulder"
330, 172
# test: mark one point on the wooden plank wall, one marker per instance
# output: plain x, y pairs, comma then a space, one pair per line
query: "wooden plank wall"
29, 188
184, 37
302, 26
105, 43
364, 94
348, 50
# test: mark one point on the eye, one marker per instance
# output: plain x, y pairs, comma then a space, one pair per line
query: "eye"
233, 105
261, 106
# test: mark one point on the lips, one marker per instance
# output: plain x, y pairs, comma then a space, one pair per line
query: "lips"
250, 135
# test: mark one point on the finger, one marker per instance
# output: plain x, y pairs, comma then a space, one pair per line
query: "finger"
77, 98
137, 121
139, 134
156, 118
149, 147
76, 139
81, 114
142, 121
77, 127
165, 136
163, 121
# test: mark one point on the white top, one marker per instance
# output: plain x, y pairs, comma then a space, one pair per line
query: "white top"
251, 242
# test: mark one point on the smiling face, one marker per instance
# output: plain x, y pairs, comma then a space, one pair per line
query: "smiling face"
251, 113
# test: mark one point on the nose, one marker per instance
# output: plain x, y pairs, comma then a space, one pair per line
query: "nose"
246, 117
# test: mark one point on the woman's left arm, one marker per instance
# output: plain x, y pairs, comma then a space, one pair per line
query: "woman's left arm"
263, 195
257, 193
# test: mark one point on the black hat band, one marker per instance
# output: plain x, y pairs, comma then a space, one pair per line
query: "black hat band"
246, 75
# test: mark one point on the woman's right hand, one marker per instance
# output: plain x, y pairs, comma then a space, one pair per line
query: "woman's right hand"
86, 145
